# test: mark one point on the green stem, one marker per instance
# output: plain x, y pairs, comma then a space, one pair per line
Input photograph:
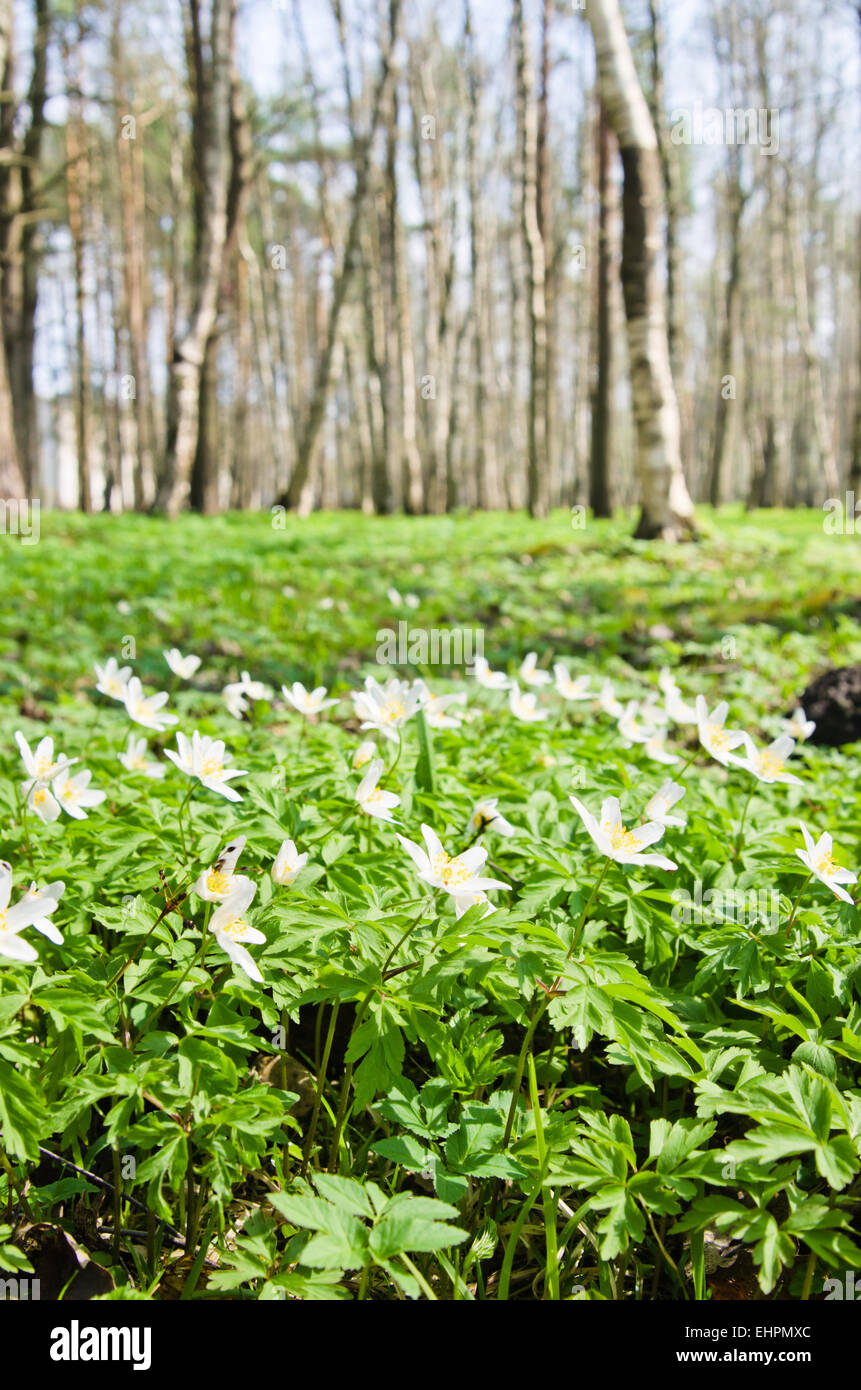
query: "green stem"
536, 1016
794, 911
388, 774
118, 1203
13, 1184
183, 804
808, 1276
160, 1007
688, 763
348, 1070
22, 812
321, 1082
587, 909
741, 822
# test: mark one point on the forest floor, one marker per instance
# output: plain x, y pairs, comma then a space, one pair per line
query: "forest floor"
622, 1069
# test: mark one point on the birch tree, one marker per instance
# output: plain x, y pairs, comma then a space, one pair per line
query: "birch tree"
666, 507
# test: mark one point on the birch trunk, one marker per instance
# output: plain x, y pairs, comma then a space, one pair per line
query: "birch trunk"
538, 470
666, 507
212, 119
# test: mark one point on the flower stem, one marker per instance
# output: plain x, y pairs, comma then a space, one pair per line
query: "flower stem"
808, 1276
14, 1184
737, 849
388, 774
22, 812
183, 804
794, 911
688, 763
321, 1082
537, 1014
347, 1079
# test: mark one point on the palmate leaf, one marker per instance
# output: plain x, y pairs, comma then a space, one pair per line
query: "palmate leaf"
24, 1119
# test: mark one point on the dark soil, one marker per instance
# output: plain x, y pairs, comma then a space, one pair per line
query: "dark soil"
833, 700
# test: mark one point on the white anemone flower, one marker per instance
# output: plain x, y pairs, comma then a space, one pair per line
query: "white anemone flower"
233, 696
288, 864
255, 690
531, 673
387, 708
609, 702
41, 765
456, 874
768, 764
523, 705
490, 680
42, 802
674, 702
485, 816
74, 794
46, 900
632, 727
658, 807
437, 705
134, 759
715, 739
464, 901
614, 840
576, 688
111, 679
371, 798
655, 748
307, 702
204, 757
147, 709
363, 754
232, 932
216, 883
818, 857
182, 666
31, 910
798, 726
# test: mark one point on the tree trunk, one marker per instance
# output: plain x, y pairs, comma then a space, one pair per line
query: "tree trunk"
486, 458
538, 471
298, 494
726, 403
600, 465
212, 87
667, 510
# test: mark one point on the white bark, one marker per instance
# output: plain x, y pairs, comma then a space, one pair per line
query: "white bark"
667, 509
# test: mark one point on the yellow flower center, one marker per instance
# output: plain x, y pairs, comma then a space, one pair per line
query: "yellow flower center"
43, 765
620, 838
211, 767
236, 929
717, 737
450, 871
3, 916
217, 881
393, 711
825, 866
769, 764
40, 796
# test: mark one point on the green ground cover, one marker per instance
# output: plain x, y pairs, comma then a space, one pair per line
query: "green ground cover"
583, 1094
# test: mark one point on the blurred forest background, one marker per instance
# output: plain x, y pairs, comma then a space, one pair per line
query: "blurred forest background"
366, 254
